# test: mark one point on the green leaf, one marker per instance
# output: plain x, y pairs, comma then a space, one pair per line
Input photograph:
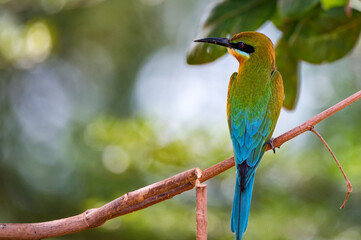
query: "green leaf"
295, 9
327, 36
230, 9
277, 20
287, 65
327, 4
226, 19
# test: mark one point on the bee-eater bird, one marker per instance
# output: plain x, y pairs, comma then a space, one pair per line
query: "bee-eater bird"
255, 96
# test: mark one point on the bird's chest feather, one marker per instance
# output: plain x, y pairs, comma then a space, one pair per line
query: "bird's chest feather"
248, 120
247, 99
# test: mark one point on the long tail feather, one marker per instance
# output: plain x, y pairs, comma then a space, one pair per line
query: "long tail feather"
241, 207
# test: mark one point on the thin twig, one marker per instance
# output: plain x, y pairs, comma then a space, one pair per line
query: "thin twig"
349, 186
148, 195
201, 210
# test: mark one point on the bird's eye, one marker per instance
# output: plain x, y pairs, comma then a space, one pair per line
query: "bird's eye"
241, 45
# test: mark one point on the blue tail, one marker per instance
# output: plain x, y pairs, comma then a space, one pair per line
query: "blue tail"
241, 206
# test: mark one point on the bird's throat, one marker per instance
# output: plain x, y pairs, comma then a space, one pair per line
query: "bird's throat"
241, 58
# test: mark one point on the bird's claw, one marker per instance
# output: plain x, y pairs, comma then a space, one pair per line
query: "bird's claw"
270, 143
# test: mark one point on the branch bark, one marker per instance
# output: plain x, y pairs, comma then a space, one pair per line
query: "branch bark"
148, 195
201, 211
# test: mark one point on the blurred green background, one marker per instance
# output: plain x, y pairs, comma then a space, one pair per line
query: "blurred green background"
96, 100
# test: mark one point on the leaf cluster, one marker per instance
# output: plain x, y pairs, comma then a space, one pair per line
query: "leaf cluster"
315, 31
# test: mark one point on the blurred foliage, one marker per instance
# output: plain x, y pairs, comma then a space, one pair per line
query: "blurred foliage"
69, 140
100, 41
315, 31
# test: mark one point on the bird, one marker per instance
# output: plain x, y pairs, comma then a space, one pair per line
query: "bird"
254, 101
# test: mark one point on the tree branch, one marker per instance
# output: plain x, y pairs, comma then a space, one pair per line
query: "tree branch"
201, 211
148, 195
309, 124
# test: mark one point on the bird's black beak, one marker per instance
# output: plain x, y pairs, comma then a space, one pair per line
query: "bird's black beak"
219, 41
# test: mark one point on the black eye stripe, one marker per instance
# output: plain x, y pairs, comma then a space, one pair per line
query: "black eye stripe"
246, 48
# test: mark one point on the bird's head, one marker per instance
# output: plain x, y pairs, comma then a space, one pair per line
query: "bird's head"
246, 45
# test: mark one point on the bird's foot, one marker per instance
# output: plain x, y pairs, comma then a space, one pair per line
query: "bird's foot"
270, 143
